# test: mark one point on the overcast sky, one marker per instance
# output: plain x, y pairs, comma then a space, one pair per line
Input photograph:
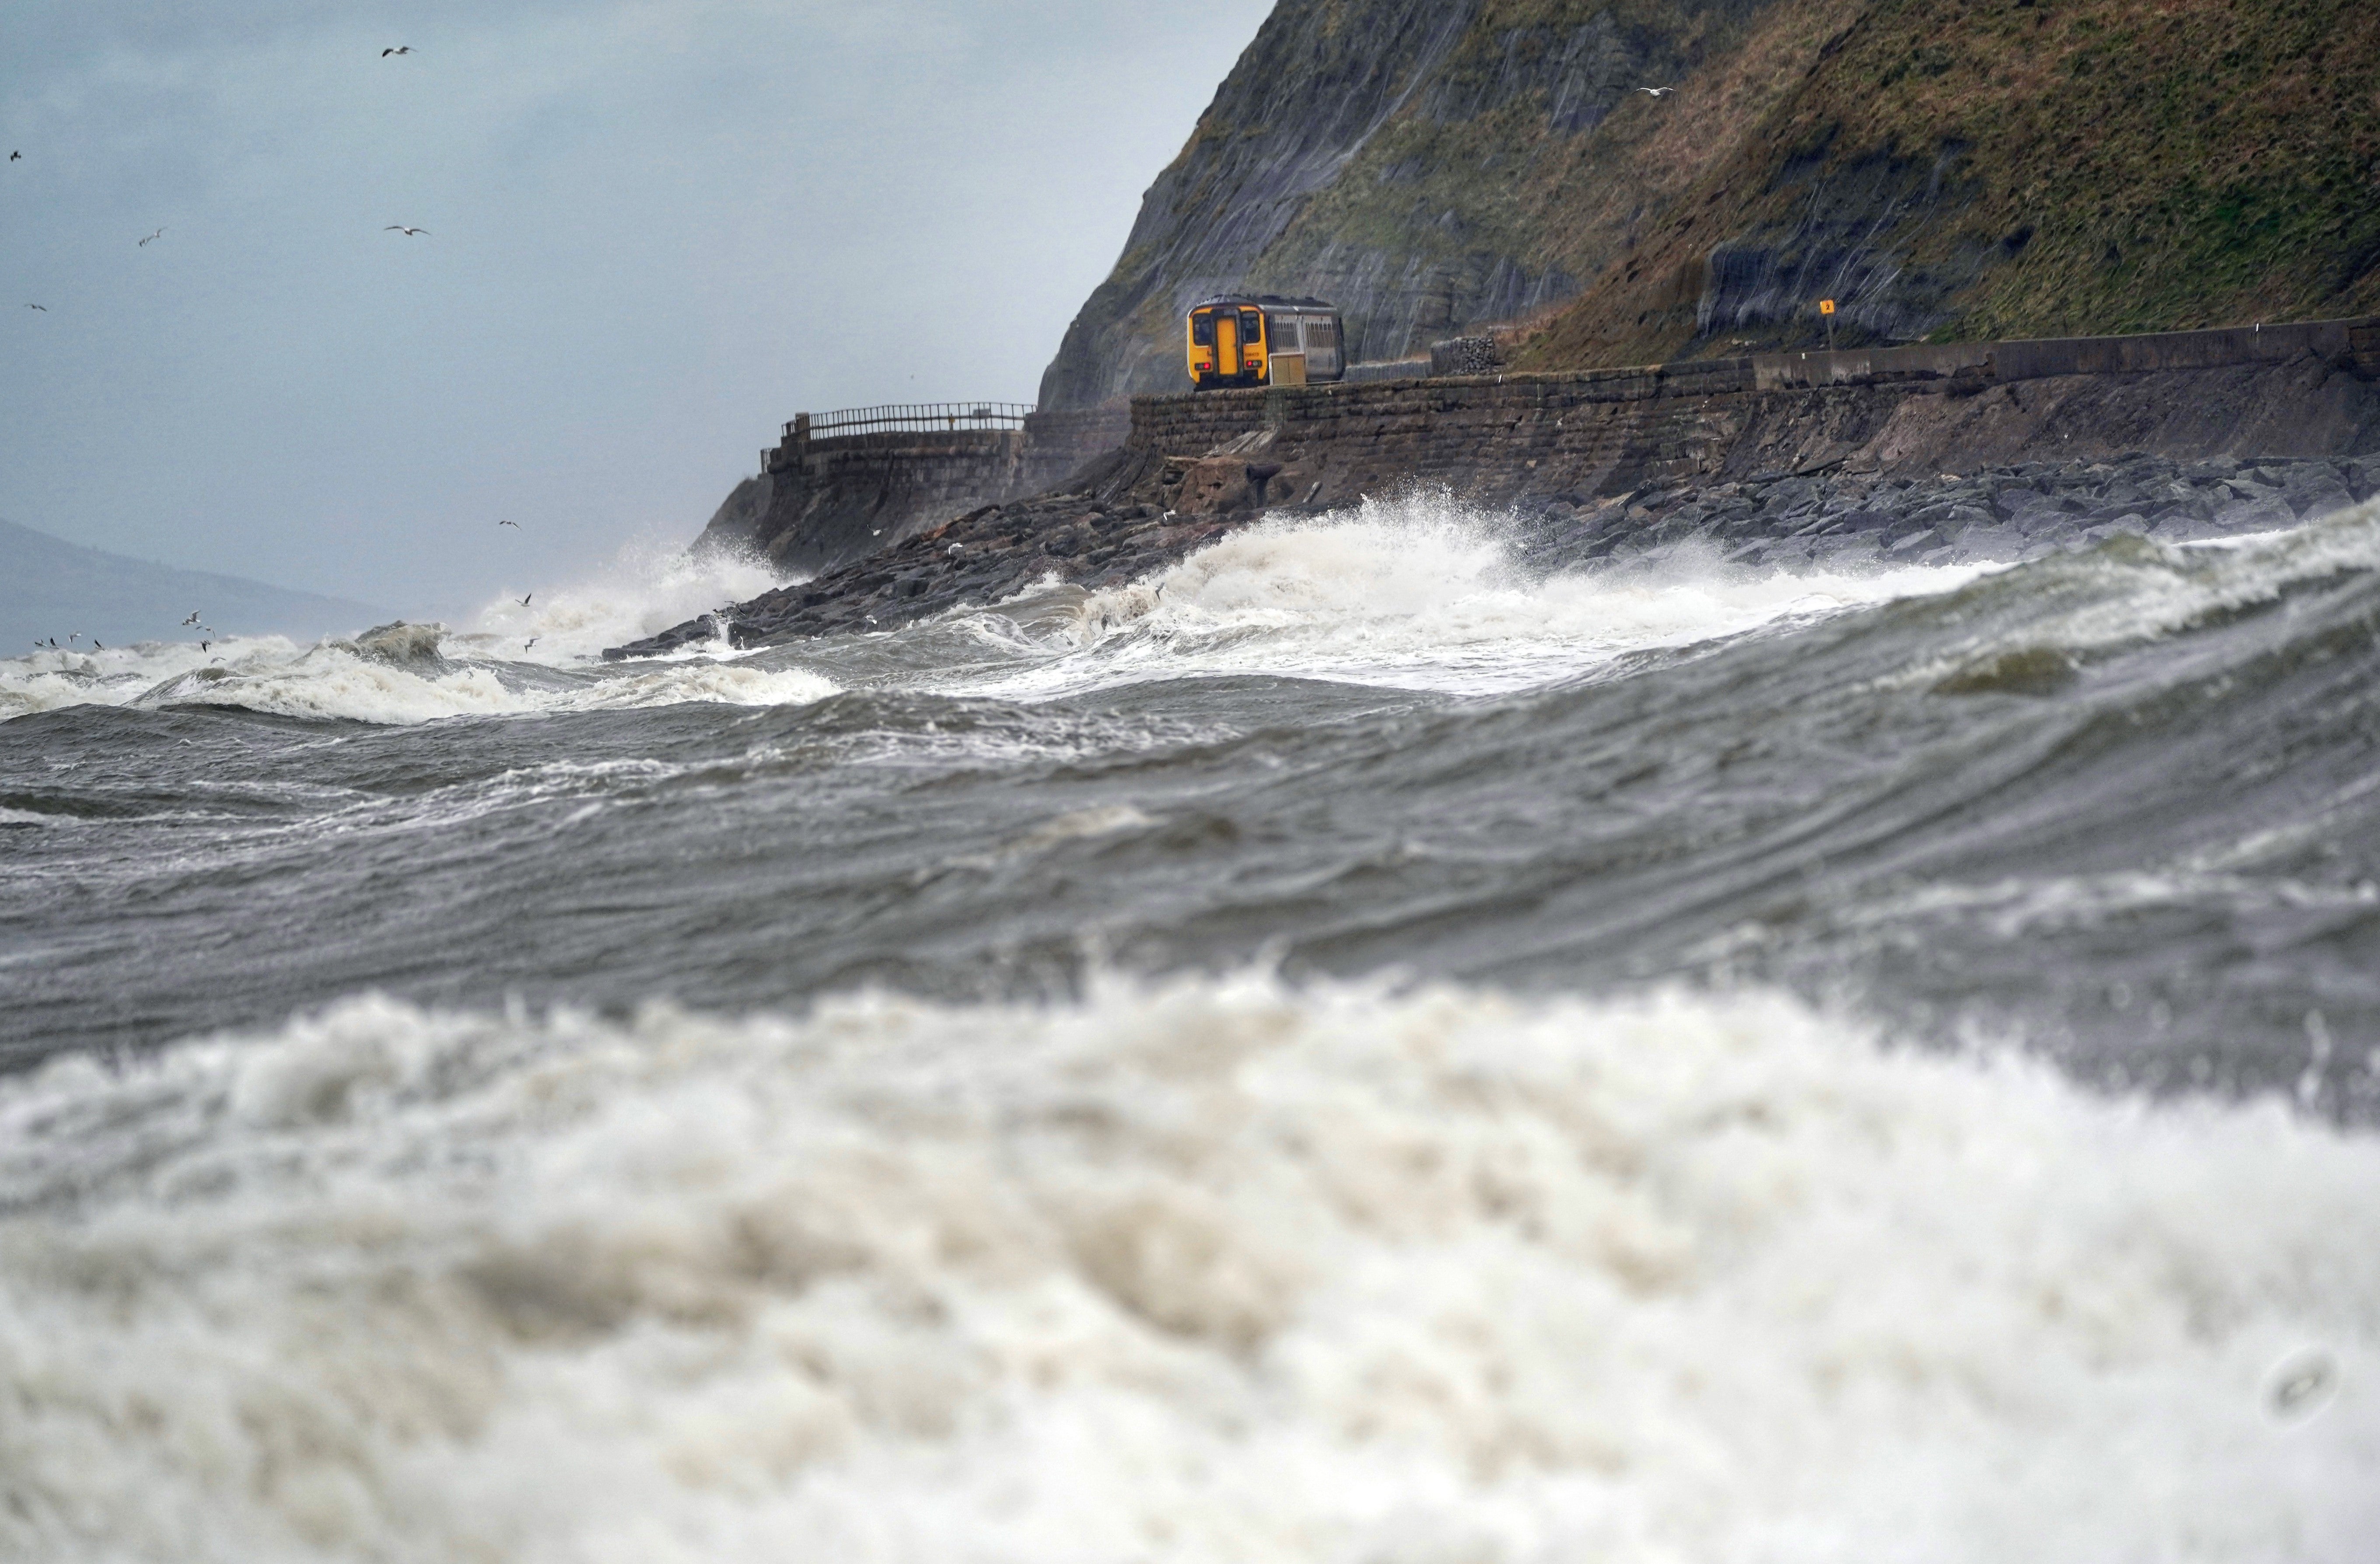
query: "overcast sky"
657, 229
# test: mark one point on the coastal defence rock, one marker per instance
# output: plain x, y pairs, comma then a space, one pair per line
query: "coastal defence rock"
1112, 531
1465, 355
1908, 458
1102, 526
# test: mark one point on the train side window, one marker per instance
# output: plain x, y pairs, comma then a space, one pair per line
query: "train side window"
1202, 330
1286, 335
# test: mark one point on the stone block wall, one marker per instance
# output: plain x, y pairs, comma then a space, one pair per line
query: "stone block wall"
2301, 390
833, 500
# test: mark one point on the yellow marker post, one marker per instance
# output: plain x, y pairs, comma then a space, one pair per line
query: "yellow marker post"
1827, 307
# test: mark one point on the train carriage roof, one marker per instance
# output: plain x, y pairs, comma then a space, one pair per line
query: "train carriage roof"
1265, 301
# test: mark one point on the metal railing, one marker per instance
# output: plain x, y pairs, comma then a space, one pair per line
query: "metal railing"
911, 418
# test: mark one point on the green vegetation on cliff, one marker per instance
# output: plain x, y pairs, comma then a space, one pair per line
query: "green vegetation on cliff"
1972, 169
1946, 168
1427, 166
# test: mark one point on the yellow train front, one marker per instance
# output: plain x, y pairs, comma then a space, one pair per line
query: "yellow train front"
1236, 340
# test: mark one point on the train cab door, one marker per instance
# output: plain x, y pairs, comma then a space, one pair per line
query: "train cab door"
1227, 342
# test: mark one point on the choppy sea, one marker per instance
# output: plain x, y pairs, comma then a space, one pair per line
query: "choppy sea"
1347, 1050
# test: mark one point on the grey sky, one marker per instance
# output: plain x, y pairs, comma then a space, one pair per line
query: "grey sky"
657, 229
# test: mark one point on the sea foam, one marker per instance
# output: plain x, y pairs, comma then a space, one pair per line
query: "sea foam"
1420, 592
511, 660
1214, 1270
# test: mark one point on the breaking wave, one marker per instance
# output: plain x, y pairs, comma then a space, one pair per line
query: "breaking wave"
1420, 592
398, 675
644, 590
1215, 1270
513, 661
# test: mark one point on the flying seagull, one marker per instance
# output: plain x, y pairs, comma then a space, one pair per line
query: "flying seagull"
529, 642
16, 157
400, 49
144, 243
1656, 91
525, 600
192, 619
514, 525
42, 308
400, 229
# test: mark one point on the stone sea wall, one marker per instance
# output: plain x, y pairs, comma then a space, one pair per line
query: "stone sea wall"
1535, 440
819, 503
1994, 451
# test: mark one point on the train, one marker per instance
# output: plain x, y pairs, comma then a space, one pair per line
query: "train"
1234, 339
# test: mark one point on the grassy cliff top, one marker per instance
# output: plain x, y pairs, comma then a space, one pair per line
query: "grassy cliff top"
2027, 167
1952, 169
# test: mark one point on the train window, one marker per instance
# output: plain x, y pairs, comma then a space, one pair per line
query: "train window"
1251, 325
1285, 338
1202, 329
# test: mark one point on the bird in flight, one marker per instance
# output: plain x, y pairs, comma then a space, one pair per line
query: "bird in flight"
400, 229
525, 600
144, 243
193, 619
399, 49
42, 308
529, 642
1656, 91
514, 525
16, 157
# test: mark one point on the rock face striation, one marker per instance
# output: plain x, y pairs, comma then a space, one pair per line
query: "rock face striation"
1425, 165
1958, 172
1945, 169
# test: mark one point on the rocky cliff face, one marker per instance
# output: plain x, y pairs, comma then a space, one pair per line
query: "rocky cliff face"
1426, 165
1963, 170
1946, 169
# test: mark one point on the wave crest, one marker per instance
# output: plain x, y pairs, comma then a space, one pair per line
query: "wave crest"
1217, 1270
1422, 593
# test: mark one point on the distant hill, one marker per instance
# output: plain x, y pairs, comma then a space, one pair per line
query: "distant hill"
49, 587
1958, 169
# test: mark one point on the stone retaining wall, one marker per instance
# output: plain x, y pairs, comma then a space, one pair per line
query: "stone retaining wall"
2304, 390
2300, 390
821, 502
